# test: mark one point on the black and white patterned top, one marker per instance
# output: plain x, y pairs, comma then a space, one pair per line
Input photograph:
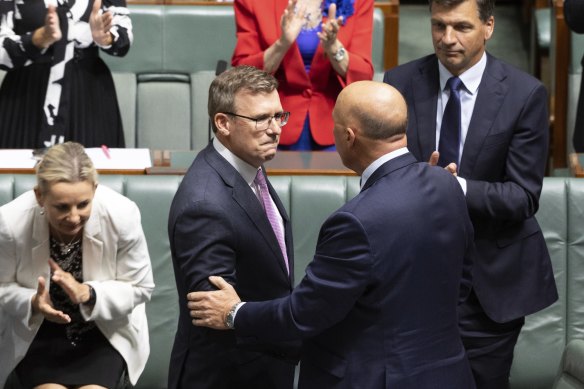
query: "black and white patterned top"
70, 259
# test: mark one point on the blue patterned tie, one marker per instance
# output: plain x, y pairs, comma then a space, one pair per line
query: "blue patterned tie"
450, 130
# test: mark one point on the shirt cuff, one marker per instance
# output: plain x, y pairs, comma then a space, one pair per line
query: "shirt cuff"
239, 305
462, 183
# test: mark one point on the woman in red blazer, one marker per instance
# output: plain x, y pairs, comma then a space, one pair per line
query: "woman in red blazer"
314, 48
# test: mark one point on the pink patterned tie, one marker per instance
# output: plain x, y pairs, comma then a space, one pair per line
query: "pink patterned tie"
272, 213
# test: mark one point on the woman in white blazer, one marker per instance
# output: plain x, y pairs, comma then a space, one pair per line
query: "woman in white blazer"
75, 275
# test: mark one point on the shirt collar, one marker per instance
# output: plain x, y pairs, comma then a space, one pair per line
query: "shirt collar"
471, 78
380, 161
247, 171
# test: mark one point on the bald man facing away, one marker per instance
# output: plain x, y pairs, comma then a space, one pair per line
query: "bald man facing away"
377, 307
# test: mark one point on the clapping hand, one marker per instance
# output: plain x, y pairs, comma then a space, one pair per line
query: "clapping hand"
328, 33
50, 33
41, 303
292, 21
100, 23
451, 167
78, 293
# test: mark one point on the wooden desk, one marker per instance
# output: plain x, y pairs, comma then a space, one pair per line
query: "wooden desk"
23, 161
284, 163
99, 171
178, 161
576, 164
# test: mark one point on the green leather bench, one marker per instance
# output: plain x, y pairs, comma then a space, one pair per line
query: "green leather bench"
163, 82
309, 200
574, 83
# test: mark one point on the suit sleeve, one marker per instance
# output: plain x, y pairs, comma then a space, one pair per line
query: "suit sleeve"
468, 260
121, 29
515, 197
574, 15
204, 245
335, 279
133, 283
248, 49
15, 50
359, 47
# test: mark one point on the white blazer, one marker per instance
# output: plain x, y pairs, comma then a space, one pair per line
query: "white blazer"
115, 263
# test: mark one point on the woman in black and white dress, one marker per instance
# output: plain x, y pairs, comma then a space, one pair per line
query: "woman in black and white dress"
56, 87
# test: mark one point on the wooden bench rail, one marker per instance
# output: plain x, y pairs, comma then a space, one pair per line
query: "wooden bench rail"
559, 94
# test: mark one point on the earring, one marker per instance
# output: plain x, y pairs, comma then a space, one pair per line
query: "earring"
42, 212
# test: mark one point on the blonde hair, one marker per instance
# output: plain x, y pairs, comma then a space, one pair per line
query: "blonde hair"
65, 162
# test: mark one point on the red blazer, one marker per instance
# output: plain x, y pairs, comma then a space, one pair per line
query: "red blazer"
258, 27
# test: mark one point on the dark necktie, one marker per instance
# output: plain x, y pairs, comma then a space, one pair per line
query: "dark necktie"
272, 214
449, 143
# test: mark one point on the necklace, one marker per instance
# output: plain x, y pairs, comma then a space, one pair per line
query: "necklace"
65, 248
312, 14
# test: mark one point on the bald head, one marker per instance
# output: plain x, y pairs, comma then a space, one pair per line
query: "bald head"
377, 109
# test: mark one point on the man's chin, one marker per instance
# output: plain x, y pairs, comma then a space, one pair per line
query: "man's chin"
270, 148
268, 156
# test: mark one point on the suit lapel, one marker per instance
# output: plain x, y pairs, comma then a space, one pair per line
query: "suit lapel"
389, 167
40, 251
425, 97
491, 93
247, 200
92, 247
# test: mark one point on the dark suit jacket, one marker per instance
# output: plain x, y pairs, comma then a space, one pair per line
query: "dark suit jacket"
258, 27
574, 15
503, 162
217, 226
378, 303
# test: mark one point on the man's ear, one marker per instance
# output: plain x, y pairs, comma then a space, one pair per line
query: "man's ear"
489, 28
222, 124
350, 136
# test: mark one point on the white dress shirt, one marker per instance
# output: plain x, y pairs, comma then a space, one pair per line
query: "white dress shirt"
471, 80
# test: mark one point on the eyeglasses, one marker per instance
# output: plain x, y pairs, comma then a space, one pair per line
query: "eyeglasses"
263, 123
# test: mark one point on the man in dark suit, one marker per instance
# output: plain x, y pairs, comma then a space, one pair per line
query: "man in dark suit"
500, 150
218, 225
574, 16
377, 307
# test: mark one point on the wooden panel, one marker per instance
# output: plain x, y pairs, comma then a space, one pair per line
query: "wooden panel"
391, 22
390, 10
559, 97
287, 163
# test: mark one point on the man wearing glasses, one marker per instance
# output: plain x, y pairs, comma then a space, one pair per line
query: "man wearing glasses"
226, 219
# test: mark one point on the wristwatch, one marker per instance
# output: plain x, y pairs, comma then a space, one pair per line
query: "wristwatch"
230, 318
340, 54
92, 296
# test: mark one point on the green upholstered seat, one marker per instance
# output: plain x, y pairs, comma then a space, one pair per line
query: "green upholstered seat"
571, 370
162, 112
309, 200
545, 330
